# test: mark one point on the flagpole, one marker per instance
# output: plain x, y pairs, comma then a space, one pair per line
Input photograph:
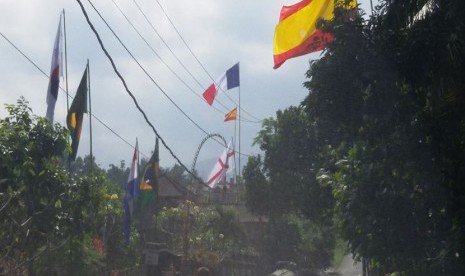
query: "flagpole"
66, 79
90, 117
239, 155
234, 147
66, 60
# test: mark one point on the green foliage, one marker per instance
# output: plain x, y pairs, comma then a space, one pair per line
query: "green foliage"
258, 190
284, 188
395, 178
382, 131
49, 218
31, 184
298, 239
289, 167
118, 175
177, 174
209, 235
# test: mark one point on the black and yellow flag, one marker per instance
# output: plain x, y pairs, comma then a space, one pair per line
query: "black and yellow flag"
76, 114
148, 186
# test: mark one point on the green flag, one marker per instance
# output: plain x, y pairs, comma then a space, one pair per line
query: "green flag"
148, 186
76, 114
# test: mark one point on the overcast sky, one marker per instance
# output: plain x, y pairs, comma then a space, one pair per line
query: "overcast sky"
219, 32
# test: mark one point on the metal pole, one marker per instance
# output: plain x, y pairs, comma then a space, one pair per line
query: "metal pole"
90, 118
66, 79
239, 132
234, 147
66, 61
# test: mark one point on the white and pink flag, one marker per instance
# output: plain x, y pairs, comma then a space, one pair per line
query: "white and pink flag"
221, 167
56, 71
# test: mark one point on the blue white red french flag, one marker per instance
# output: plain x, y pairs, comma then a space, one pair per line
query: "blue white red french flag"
56, 71
226, 81
132, 190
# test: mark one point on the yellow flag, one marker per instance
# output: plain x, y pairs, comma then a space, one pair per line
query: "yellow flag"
297, 34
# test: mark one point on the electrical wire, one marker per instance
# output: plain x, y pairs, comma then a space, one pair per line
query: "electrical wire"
180, 62
132, 96
151, 78
198, 61
64, 91
159, 57
145, 71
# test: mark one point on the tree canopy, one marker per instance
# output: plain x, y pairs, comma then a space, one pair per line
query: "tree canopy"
53, 221
377, 144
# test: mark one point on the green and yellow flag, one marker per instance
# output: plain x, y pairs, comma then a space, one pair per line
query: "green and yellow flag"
76, 114
148, 186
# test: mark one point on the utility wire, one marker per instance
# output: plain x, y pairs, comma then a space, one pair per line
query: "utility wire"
93, 115
159, 57
24, 55
63, 90
166, 44
144, 70
179, 61
175, 56
132, 96
195, 57
167, 66
150, 77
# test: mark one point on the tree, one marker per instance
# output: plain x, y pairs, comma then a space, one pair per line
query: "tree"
382, 129
49, 218
177, 174
118, 175
395, 179
284, 188
210, 235
258, 190
31, 185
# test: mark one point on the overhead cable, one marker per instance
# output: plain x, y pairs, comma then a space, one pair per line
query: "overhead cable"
132, 96
64, 91
197, 59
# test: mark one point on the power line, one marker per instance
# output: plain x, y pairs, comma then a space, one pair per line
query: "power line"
177, 58
197, 59
24, 55
145, 71
132, 96
166, 44
63, 90
160, 58
150, 77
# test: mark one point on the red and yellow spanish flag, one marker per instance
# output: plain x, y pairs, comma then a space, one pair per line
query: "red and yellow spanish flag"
231, 115
296, 33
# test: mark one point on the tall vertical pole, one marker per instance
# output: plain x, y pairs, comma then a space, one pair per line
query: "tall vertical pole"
234, 147
240, 112
90, 118
66, 61
66, 79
